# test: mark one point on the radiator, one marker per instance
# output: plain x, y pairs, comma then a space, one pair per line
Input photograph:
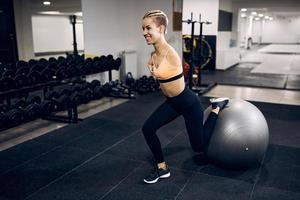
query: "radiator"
129, 64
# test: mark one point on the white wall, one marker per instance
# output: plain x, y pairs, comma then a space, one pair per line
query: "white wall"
272, 4
54, 33
281, 31
22, 14
111, 27
209, 10
227, 56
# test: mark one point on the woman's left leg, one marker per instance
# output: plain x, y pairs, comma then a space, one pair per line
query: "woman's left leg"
199, 133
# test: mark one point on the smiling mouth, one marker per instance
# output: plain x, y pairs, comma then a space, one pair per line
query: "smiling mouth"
147, 37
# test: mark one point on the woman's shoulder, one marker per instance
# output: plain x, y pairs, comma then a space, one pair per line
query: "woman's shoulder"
173, 57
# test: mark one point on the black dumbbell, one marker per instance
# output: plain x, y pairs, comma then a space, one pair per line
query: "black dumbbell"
21, 80
22, 70
51, 94
21, 63
32, 111
75, 98
95, 83
47, 107
34, 77
98, 92
15, 116
34, 99
8, 73
7, 83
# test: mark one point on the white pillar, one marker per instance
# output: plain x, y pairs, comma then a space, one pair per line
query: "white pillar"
249, 30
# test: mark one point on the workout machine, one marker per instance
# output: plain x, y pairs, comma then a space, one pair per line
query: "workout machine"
199, 87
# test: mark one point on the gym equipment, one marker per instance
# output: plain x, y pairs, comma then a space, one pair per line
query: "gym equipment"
34, 77
15, 117
34, 100
21, 63
8, 73
32, 62
21, 80
240, 137
22, 70
7, 83
199, 88
145, 85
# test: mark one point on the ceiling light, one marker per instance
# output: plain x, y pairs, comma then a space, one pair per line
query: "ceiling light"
243, 15
267, 17
260, 15
47, 3
50, 12
78, 14
253, 13
244, 9
270, 18
257, 18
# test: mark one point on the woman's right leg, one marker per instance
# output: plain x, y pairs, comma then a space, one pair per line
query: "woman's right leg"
160, 117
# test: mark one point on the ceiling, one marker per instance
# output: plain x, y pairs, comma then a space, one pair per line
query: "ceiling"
63, 6
274, 8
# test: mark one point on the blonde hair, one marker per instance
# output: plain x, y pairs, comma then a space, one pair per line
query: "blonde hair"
160, 18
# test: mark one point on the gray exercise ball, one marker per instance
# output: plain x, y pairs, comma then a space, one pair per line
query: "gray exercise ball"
240, 137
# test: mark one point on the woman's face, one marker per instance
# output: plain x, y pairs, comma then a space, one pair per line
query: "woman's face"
151, 31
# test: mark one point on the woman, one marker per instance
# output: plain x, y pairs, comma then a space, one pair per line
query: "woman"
165, 65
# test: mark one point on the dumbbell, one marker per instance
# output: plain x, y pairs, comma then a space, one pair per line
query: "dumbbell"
129, 80
37, 67
8, 73
34, 99
61, 73
52, 60
48, 74
34, 77
44, 62
95, 83
75, 98
15, 116
32, 111
87, 95
51, 94
21, 80
106, 88
32, 62
22, 70
98, 92
116, 64
7, 83
47, 107
21, 63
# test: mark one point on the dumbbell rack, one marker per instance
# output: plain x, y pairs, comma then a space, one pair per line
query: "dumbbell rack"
72, 111
56, 72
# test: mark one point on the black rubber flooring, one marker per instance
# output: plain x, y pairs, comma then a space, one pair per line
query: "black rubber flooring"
106, 157
241, 75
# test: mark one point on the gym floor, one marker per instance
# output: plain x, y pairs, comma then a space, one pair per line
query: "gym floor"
105, 156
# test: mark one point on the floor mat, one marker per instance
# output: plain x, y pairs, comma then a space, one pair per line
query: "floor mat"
106, 157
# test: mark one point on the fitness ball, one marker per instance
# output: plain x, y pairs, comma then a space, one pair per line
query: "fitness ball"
240, 137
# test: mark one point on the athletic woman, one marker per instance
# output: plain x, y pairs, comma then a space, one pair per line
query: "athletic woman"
166, 66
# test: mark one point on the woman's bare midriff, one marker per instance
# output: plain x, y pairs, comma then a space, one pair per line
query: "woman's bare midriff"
173, 88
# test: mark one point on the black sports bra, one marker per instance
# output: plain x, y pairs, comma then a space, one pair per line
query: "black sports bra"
171, 79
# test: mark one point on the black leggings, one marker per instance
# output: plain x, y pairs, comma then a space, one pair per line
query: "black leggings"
188, 105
